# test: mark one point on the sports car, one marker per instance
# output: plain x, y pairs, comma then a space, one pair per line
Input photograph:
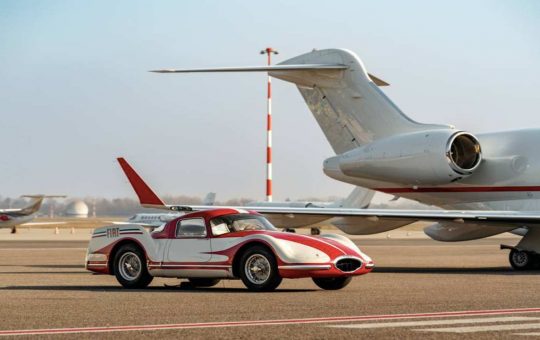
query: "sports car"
207, 246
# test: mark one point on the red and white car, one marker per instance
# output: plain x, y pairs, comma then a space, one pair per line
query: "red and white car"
210, 245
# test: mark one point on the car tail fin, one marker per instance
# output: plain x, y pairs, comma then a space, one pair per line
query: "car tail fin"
147, 197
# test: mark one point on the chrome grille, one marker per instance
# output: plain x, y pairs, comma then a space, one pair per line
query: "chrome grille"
348, 265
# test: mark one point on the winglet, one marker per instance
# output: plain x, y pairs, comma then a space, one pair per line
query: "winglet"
147, 197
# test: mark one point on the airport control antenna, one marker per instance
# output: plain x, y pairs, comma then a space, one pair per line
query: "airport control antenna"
269, 51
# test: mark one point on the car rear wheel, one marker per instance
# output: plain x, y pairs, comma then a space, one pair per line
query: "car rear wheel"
259, 270
203, 282
332, 283
130, 267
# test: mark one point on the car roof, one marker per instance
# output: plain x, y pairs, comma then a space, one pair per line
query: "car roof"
170, 227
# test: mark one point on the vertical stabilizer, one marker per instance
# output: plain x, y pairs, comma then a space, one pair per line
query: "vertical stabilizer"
209, 199
359, 198
348, 105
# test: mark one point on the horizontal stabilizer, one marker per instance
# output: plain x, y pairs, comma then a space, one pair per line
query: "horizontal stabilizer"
34, 206
280, 68
43, 196
303, 67
378, 81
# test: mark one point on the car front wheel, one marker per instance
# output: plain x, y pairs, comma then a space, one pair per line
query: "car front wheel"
130, 267
332, 283
259, 270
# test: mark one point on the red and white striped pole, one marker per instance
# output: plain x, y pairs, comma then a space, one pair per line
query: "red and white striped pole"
269, 51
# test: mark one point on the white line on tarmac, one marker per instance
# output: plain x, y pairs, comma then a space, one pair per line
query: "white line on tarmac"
474, 329
435, 322
528, 334
202, 325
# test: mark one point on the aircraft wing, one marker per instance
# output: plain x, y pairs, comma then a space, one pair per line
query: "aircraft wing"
126, 223
449, 225
41, 223
493, 217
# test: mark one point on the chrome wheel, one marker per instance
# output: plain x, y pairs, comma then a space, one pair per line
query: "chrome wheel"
130, 266
257, 269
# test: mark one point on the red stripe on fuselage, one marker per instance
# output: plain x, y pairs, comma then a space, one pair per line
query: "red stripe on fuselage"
459, 189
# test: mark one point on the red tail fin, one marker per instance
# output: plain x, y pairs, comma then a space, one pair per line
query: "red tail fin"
147, 197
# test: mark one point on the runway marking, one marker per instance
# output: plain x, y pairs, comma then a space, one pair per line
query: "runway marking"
435, 322
28, 249
485, 328
528, 334
246, 323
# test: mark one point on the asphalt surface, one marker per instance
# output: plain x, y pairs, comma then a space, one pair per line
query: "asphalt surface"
44, 286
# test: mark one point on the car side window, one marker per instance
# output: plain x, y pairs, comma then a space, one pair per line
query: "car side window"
191, 227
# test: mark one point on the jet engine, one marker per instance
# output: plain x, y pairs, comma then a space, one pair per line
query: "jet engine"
432, 157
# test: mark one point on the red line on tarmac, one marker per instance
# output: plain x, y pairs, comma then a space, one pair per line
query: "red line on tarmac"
266, 322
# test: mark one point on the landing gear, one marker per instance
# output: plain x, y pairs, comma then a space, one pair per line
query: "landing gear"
520, 260
14, 230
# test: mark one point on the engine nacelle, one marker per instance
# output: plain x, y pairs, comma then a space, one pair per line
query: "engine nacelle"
425, 158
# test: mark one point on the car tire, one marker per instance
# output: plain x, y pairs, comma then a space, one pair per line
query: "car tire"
130, 267
521, 260
332, 283
258, 269
203, 282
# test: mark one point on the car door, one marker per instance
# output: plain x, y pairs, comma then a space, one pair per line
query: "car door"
191, 242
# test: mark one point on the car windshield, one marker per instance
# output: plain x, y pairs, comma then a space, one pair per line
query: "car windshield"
239, 222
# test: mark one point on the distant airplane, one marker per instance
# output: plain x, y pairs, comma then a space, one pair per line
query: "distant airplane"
359, 198
11, 218
378, 147
154, 220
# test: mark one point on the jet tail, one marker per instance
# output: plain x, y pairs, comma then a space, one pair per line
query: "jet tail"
35, 203
359, 198
209, 199
345, 100
147, 197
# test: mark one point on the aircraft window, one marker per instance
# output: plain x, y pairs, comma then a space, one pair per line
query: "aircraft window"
239, 222
192, 227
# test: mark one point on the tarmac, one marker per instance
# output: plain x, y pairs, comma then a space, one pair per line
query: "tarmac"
419, 288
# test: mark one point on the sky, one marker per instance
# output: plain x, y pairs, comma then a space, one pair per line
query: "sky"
75, 92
